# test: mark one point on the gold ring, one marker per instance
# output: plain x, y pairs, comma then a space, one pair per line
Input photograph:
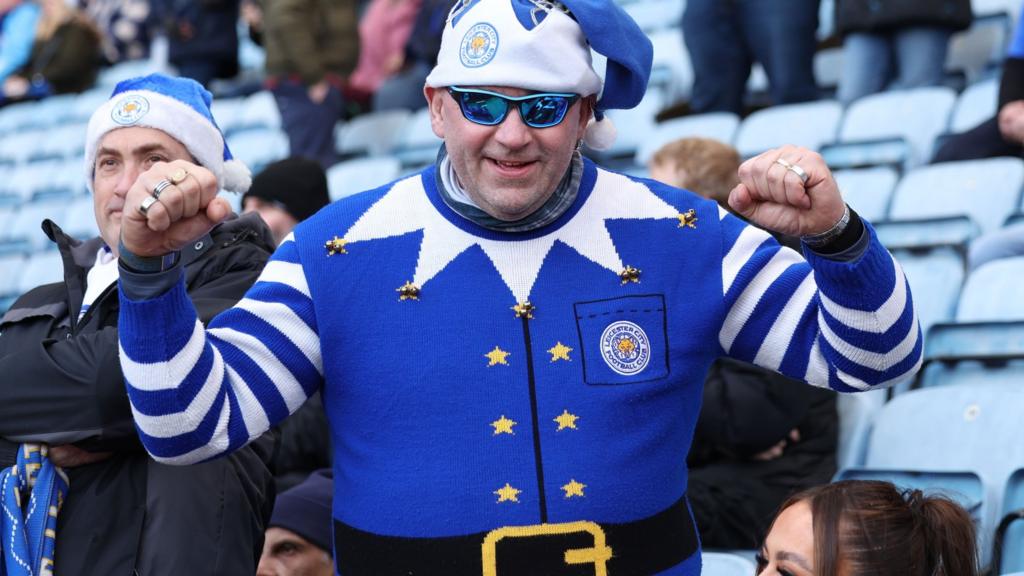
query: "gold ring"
179, 176
783, 163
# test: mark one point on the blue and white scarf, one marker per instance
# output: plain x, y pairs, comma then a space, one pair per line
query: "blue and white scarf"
29, 525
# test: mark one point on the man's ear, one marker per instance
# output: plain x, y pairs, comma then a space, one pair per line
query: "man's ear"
435, 102
586, 113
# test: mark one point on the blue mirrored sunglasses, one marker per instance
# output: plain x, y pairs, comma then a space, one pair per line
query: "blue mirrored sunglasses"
490, 108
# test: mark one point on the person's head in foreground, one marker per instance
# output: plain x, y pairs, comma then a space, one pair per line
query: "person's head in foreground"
152, 119
702, 165
868, 528
298, 539
514, 90
287, 192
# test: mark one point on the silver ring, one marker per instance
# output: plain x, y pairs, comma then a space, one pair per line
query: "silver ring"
147, 203
160, 187
799, 172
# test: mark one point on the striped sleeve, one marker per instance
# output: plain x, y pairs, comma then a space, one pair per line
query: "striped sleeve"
848, 326
199, 393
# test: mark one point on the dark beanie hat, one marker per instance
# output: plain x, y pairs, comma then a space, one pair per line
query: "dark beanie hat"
297, 185
306, 509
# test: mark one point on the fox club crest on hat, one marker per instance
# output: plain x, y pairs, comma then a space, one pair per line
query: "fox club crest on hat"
544, 45
178, 106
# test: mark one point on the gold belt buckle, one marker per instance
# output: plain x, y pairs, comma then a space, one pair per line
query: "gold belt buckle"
598, 555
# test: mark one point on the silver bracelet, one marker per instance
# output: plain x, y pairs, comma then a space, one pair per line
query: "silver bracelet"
823, 238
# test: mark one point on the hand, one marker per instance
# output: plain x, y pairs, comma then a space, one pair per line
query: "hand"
15, 87
184, 212
318, 92
1011, 121
71, 456
394, 64
773, 196
777, 450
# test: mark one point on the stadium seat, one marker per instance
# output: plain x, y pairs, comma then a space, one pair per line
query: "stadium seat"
653, 15
417, 144
868, 190
258, 147
360, 174
810, 124
109, 77
11, 266
724, 564
374, 134
828, 67
986, 7
671, 69
964, 430
915, 117
935, 277
975, 105
719, 126
86, 103
41, 268
27, 225
228, 112
260, 111
80, 219
634, 126
992, 292
986, 190
980, 48
963, 354
18, 148
62, 142
1012, 558
52, 111
16, 117
856, 412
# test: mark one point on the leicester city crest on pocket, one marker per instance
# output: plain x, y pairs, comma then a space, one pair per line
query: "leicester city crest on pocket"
479, 45
625, 348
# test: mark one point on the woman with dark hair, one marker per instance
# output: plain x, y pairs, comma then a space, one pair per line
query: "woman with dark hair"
867, 527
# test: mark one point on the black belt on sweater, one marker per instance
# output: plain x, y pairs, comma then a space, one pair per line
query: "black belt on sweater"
581, 548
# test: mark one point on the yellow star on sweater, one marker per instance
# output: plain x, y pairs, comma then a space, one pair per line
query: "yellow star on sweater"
566, 420
497, 356
503, 425
559, 352
574, 488
507, 493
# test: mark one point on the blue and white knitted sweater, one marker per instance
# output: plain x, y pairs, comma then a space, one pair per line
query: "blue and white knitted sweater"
451, 414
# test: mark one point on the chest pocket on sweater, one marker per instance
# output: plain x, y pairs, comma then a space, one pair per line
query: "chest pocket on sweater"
623, 340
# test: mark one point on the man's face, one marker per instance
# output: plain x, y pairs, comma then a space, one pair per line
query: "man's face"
285, 553
121, 156
278, 219
508, 170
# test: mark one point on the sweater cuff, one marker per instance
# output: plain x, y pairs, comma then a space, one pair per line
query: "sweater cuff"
147, 285
856, 283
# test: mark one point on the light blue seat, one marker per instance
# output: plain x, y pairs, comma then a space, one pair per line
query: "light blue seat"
52, 111
992, 292
856, 413
653, 15
963, 430
80, 219
374, 134
228, 112
981, 47
633, 126
260, 111
27, 224
724, 564
16, 117
258, 147
1012, 559
935, 278
41, 268
828, 67
719, 126
86, 103
18, 148
671, 68
916, 116
986, 7
985, 190
868, 190
63, 142
11, 266
109, 77
976, 104
968, 353
810, 124
360, 174
417, 144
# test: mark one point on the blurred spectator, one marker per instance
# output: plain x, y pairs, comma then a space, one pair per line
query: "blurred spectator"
902, 42
65, 56
383, 32
1002, 134
311, 47
404, 89
299, 540
869, 528
760, 436
287, 192
17, 22
726, 38
125, 27
202, 37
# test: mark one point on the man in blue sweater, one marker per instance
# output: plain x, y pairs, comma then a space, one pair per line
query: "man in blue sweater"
511, 344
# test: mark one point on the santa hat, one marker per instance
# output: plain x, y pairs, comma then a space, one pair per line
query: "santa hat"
178, 106
544, 45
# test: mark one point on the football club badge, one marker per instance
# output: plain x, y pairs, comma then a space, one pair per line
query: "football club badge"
130, 110
625, 348
479, 45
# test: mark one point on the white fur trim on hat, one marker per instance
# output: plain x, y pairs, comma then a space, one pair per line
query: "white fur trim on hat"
490, 46
148, 109
600, 134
